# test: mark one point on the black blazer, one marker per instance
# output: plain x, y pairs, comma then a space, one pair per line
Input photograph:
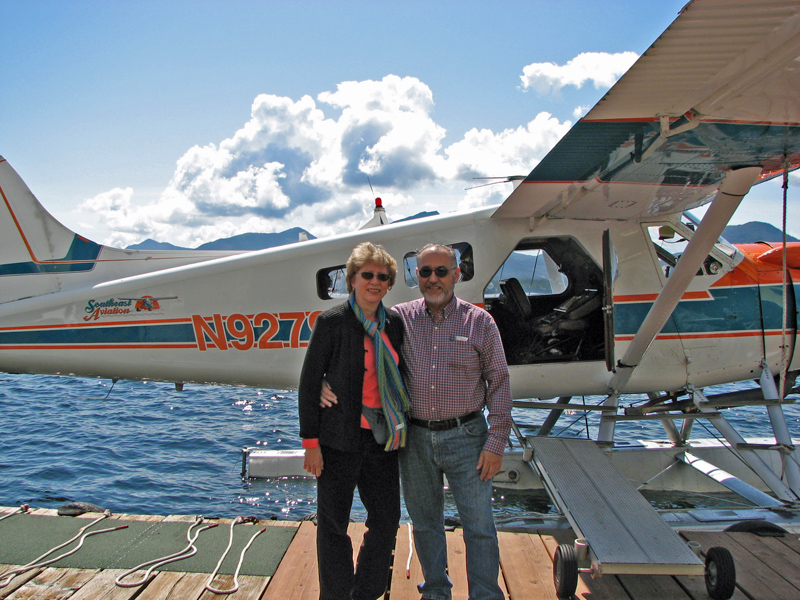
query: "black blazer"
336, 353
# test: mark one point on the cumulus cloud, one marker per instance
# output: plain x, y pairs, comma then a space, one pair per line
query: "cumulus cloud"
291, 165
600, 68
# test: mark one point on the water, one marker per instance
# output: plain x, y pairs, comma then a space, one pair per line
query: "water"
144, 448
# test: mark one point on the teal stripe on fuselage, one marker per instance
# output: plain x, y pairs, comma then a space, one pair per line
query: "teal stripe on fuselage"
731, 309
130, 334
81, 256
171, 333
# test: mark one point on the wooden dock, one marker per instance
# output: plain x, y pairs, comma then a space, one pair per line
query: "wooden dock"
767, 568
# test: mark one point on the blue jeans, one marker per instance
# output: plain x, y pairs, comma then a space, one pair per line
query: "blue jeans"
427, 457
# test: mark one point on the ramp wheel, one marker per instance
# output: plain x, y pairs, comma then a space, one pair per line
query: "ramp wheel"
565, 571
720, 573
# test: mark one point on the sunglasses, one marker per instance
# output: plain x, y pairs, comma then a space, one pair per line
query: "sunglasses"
369, 275
440, 271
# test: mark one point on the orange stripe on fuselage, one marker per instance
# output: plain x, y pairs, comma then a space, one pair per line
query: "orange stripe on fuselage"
709, 336
703, 295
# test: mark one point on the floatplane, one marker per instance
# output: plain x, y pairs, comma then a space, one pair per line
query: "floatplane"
601, 282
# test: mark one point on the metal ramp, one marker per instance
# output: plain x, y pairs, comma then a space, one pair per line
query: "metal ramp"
625, 535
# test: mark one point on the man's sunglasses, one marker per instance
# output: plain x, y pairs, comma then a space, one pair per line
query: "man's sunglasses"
369, 275
440, 272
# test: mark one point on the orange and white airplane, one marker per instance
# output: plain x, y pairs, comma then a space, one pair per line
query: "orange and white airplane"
599, 281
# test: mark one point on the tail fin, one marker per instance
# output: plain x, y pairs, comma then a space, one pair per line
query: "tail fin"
33, 242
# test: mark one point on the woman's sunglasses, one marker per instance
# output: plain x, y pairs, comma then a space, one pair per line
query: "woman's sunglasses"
440, 272
369, 275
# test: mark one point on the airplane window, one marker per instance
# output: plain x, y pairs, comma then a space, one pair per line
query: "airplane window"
463, 255
536, 271
722, 245
670, 241
332, 283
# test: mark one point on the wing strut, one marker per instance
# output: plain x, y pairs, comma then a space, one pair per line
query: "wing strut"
731, 191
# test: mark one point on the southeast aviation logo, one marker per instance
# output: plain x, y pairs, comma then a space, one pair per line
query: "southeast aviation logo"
122, 307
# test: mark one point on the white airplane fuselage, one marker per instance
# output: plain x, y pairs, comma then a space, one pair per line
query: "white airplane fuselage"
245, 319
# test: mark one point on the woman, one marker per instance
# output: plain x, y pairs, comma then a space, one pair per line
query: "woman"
355, 347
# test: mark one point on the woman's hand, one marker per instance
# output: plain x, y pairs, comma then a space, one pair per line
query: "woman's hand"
326, 396
313, 461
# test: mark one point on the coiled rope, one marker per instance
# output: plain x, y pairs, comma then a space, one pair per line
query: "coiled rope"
188, 551
235, 587
6, 577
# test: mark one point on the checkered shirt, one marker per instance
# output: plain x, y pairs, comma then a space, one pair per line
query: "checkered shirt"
457, 366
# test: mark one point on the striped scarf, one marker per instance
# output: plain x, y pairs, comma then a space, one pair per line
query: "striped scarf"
394, 399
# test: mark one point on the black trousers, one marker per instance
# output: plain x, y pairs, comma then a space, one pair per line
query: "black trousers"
375, 473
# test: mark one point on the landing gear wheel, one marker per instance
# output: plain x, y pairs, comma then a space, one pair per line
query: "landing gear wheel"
720, 573
565, 571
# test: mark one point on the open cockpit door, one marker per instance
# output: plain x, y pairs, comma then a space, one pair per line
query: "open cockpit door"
547, 300
610, 271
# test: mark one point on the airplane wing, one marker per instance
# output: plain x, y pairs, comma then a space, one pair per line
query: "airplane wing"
719, 90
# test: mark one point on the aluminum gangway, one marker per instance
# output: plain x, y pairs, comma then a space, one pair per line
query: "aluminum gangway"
618, 531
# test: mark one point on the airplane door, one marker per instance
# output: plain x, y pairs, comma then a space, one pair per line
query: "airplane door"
771, 302
610, 272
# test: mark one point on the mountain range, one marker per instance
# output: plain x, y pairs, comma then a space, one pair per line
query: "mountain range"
754, 231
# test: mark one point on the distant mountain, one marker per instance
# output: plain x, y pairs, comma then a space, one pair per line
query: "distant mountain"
257, 241
748, 233
245, 241
755, 231
149, 244
420, 215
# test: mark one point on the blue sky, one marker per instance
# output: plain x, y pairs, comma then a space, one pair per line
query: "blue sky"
189, 121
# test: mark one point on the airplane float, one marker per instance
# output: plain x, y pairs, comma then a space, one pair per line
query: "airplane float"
600, 281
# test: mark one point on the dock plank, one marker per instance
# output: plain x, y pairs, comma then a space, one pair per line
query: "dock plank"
457, 563
652, 587
169, 585
527, 568
405, 574
296, 576
251, 587
792, 541
778, 556
695, 587
758, 579
54, 584
601, 588
102, 587
17, 581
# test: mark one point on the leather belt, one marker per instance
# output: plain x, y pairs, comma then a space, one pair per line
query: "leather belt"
445, 424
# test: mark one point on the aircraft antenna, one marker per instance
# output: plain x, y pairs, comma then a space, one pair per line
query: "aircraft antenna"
502, 179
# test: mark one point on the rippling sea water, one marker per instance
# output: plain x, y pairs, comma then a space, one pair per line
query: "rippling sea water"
144, 448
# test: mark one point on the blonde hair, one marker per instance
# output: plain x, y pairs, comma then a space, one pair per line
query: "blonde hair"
368, 252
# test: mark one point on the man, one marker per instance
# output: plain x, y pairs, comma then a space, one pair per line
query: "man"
456, 368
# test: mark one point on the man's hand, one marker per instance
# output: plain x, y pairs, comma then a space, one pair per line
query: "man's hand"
489, 464
313, 461
326, 397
